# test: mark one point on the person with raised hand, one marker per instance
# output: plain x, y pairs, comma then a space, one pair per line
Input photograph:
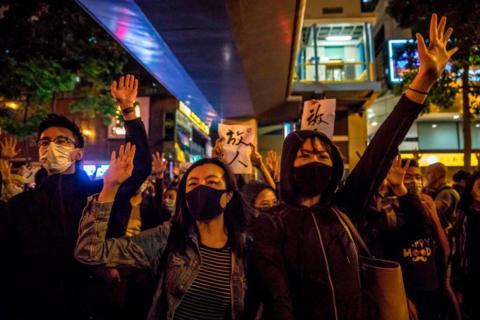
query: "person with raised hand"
308, 265
38, 229
199, 258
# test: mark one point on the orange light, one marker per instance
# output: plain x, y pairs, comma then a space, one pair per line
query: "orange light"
12, 105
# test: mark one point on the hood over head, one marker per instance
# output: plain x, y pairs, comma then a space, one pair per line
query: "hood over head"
291, 145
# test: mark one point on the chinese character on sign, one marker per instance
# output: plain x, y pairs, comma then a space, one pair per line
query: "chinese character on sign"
315, 117
237, 146
319, 115
234, 136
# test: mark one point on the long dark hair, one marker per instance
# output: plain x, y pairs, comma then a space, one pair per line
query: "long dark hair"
235, 217
467, 199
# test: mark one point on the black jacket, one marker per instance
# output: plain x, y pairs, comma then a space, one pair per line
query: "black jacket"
38, 233
301, 280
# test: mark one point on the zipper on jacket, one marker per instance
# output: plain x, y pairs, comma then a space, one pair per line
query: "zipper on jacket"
327, 266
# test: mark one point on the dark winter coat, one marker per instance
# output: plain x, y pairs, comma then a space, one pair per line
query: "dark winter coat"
38, 233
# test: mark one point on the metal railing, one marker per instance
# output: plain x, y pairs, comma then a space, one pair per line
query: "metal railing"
334, 71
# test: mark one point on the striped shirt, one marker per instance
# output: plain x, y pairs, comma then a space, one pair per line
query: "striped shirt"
209, 296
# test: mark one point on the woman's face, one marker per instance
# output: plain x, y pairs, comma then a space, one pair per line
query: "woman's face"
312, 150
209, 175
476, 190
171, 195
265, 199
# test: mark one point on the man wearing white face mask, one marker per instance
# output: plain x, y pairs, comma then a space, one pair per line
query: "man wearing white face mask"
39, 230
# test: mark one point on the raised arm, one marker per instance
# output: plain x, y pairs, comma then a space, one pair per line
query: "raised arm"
258, 163
125, 93
370, 171
141, 251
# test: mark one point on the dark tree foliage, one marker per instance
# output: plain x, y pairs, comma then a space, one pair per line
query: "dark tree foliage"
49, 49
464, 74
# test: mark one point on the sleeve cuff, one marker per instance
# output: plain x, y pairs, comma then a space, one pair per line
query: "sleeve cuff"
101, 210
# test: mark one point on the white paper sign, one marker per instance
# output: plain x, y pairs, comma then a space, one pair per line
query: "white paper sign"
319, 115
236, 146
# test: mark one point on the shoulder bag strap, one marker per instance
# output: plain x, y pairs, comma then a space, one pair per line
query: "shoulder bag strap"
352, 230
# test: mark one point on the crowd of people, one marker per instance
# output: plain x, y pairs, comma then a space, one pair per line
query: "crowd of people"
204, 243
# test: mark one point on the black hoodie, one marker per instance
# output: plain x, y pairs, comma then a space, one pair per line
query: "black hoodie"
307, 277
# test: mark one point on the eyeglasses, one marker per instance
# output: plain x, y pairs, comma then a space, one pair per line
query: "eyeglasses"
60, 140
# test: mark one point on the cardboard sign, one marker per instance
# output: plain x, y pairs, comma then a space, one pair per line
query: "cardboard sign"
319, 115
236, 146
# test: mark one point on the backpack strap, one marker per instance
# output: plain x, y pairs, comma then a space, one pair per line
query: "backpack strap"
352, 231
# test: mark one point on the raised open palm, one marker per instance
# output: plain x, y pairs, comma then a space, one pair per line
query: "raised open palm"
159, 165
125, 91
396, 174
9, 147
121, 166
434, 58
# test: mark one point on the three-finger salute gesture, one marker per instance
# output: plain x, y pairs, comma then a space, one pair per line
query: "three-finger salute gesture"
125, 92
120, 169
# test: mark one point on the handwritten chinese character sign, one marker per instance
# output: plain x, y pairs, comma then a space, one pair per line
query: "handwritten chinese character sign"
319, 115
236, 146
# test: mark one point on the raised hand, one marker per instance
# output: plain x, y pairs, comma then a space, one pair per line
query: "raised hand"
159, 165
396, 176
434, 58
273, 164
9, 148
125, 91
5, 170
255, 157
217, 151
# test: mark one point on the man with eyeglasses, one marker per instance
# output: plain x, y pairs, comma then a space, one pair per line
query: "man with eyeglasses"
39, 231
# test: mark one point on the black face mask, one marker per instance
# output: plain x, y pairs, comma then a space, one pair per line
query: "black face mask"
312, 179
204, 203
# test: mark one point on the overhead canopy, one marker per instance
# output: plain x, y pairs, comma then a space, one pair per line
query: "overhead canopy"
224, 59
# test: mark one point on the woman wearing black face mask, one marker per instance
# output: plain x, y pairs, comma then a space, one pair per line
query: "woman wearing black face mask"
260, 197
200, 257
308, 263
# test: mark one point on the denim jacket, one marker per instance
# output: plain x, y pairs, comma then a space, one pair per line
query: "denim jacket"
145, 251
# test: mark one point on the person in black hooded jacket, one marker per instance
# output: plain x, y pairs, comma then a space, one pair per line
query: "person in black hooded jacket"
38, 230
307, 263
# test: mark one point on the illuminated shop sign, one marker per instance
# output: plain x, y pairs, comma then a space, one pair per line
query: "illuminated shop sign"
398, 59
194, 118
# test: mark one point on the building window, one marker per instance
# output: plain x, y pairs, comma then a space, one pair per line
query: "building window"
333, 52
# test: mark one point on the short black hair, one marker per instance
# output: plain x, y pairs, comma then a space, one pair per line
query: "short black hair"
461, 175
413, 163
56, 120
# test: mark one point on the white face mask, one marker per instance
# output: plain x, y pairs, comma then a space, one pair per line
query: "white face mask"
56, 158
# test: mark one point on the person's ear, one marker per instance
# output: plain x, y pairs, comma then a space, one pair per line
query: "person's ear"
225, 199
78, 154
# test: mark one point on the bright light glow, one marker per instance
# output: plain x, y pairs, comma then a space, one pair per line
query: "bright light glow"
137, 111
12, 105
434, 126
432, 159
448, 159
87, 133
89, 169
374, 123
101, 170
119, 131
456, 117
477, 125
338, 38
